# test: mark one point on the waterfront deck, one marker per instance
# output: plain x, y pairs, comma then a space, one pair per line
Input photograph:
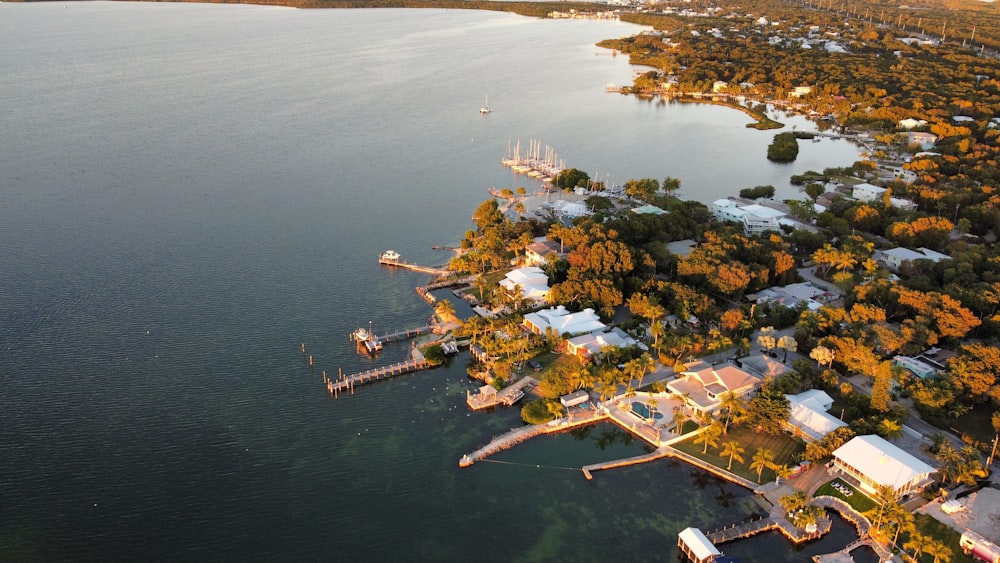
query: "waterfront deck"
505, 397
775, 520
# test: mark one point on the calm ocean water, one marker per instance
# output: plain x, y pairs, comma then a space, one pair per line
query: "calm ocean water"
188, 192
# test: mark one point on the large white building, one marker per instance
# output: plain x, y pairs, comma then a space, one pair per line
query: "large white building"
563, 322
755, 218
895, 257
531, 281
586, 346
807, 412
871, 462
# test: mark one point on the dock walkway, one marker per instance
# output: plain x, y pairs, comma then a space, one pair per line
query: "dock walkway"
349, 382
405, 333
518, 435
775, 520
658, 453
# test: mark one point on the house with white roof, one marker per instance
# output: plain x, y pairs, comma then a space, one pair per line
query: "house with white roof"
531, 281
703, 386
807, 413
910, 123
563, 322
895, 257
867, 192
755, 218
871, 462
587, 346
796, 294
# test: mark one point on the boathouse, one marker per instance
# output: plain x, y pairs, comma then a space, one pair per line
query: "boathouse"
695, 545
575, 398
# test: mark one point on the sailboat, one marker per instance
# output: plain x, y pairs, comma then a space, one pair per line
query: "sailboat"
486, 107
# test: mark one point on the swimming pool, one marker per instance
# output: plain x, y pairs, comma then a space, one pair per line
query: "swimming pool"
642, 410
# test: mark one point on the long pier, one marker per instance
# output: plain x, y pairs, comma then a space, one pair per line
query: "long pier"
415, 267
518, 435
658, 453
349, 382
405, 333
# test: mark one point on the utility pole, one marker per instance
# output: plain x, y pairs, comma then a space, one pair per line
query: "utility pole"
989, 461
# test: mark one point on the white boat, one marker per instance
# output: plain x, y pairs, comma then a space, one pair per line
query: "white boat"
486, 107
389, 257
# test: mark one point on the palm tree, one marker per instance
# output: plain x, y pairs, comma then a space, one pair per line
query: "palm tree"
939, 551
794, 501
710, 436
781, 471
732, 449
761, 458
680, 417
917, 544
735, 407
891, 428
646, 365
902, 518
444, 310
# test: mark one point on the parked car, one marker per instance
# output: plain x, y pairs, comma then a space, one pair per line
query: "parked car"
535, 365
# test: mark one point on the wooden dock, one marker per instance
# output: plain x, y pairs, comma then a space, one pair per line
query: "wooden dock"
774, 521
518, 435
405, 334
658, 453
349, 382
415, 267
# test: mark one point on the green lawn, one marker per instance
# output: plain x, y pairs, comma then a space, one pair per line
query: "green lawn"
786, 451
928, 526
858, 500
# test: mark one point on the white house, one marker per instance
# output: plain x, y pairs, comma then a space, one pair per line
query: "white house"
895, 257
563, 322
532, 282
589, 345
867, 192
794, 294
910, 123
871, 461
808, 414
800, 91
703, 386
538, 252
755, 218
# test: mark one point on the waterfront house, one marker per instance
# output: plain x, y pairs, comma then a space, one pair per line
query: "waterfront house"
530, 281
807, 413
871, 461
755, 218
587, 346
563, 322
910, 123
702, 386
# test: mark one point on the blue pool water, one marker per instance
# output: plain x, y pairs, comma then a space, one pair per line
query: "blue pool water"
643, 411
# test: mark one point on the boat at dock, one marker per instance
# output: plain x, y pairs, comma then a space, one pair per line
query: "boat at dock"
366, 338
389, 257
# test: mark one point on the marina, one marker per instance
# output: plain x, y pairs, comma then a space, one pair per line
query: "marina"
541, 163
